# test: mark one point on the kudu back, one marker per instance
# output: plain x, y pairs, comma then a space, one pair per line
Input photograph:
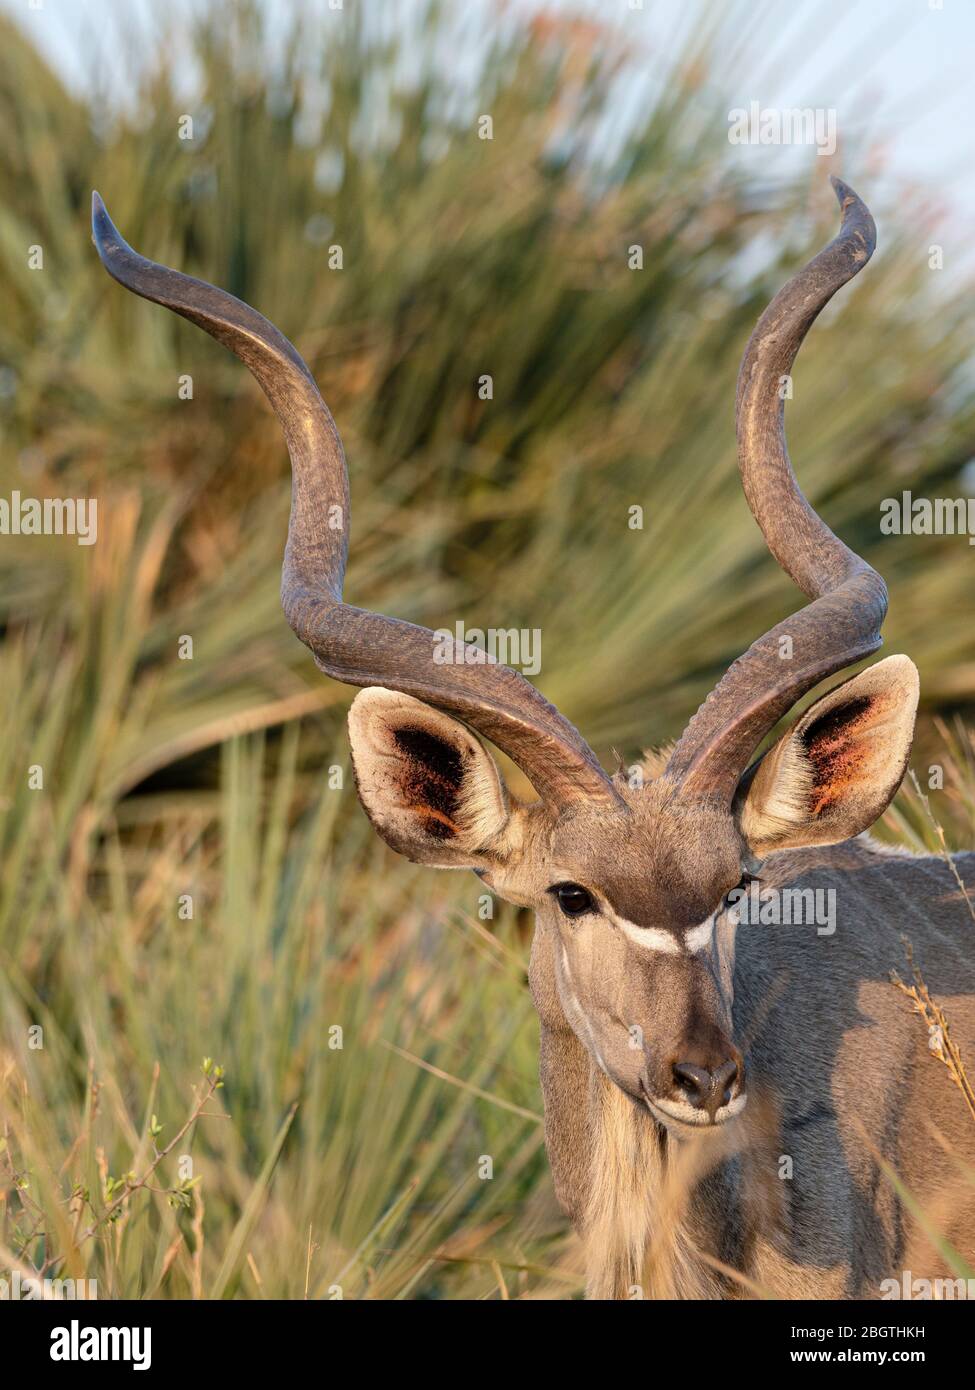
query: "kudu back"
729, 1104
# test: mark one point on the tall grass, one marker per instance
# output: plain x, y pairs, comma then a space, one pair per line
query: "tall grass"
296, 932
406, 1162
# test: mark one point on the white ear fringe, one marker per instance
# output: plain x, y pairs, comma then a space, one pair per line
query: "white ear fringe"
778, 800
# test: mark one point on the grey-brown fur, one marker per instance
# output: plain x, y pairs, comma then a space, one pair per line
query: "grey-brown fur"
839, 1067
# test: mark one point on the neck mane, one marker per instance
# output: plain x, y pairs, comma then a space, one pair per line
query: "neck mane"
638, 1244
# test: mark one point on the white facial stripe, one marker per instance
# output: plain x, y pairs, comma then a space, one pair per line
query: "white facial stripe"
648, 938
658, 939
580, 1014
698, 938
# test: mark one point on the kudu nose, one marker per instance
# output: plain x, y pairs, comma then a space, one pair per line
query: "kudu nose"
705, 1089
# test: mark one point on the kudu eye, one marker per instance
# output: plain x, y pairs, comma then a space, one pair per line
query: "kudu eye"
573, 899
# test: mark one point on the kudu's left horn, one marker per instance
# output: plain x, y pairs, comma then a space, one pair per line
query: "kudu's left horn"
849, 599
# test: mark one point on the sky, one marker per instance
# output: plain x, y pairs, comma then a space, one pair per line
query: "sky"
896, 72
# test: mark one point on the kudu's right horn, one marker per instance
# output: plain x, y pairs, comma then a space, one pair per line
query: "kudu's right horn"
351, 644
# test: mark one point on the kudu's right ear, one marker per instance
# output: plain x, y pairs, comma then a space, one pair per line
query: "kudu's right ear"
839, 766
430, 788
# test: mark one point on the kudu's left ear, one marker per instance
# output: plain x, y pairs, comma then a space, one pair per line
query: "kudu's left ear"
428, 785
837, 769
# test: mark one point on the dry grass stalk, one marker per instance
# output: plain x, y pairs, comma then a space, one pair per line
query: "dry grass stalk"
940, 1042
943, 847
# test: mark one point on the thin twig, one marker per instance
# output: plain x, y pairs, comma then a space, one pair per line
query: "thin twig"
136, 1184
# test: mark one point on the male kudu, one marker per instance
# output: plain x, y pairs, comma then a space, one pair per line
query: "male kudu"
652, 1014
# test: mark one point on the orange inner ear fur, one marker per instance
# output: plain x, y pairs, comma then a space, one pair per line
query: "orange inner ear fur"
835, 752
432, 780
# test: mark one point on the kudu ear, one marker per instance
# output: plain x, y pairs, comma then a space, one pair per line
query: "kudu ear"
428, 785
837, 769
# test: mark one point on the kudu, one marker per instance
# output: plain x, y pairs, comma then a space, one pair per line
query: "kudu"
652, 1014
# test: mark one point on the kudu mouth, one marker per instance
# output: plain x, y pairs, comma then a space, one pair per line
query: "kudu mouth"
697, 1089
683, 1119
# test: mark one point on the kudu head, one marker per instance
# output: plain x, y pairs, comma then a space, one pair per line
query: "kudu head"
630, 882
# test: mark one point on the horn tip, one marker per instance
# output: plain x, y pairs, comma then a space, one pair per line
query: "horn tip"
856, 216
104, 232
101, 224
845, 196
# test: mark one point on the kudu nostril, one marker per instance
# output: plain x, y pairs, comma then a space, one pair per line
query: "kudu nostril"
704, 1089
694, 1081
725, 1080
